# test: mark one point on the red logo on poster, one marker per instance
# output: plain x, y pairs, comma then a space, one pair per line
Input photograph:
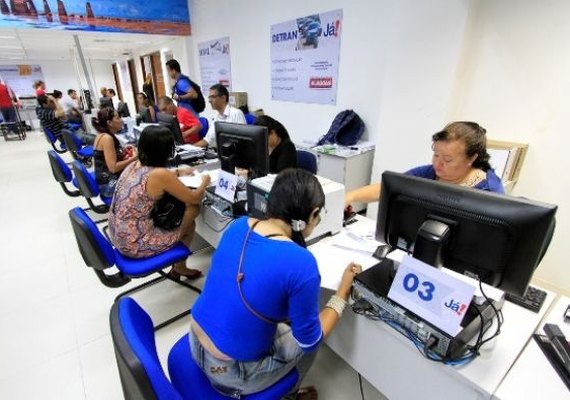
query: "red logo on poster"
323, 82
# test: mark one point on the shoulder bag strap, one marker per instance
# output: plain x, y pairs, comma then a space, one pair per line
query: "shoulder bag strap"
240, 277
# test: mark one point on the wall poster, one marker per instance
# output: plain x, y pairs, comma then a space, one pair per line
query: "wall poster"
215, 63
305, 55
20, 78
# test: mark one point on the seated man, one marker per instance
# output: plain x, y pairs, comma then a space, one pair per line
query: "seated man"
52, 116
219, 99
189, 124
70, 105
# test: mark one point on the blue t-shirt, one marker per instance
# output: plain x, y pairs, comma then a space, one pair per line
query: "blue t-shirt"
281, 281
491, 184
181, 87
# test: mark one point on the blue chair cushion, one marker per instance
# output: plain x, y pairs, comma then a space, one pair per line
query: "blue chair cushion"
138, 330
250, 119
191, 383
205, 127
107, 200
92, 187
86, 152
135, 267
307, 161
74, 126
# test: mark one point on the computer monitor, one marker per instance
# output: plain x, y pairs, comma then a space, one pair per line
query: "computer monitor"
243, 146
496, 238
123, 110
171, 122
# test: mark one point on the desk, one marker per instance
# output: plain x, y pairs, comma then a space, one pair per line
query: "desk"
394, 366
532, 376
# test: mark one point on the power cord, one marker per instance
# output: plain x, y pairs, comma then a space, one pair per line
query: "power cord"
425, 347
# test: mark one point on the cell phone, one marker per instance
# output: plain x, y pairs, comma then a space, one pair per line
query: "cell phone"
567, 314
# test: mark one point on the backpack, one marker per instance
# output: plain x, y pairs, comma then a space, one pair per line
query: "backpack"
346, 129
199, 103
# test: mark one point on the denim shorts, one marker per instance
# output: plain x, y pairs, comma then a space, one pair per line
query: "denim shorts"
236, 378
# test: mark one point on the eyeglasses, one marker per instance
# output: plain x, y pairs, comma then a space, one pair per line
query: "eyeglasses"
213, 96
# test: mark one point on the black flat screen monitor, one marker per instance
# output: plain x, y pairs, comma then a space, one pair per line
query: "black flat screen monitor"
499, 239
171, 122
243, 146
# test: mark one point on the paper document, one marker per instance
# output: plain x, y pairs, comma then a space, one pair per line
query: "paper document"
194, 181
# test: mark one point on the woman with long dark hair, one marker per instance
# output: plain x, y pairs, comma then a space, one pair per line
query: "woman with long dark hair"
282, 152
110, 158
261, 276
141, 185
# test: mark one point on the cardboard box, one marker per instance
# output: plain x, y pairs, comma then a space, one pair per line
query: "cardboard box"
515, 159
238, 99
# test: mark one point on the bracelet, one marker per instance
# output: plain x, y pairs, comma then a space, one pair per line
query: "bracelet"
337, 304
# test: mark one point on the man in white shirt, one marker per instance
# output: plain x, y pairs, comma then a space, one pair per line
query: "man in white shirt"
111, 93
219, 98
71, 106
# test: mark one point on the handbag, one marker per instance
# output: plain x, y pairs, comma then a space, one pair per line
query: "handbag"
167, 212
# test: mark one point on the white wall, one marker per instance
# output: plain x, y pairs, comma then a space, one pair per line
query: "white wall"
365, 38
514, 80
62, 75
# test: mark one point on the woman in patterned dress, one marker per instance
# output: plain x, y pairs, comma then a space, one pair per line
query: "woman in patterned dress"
140, 185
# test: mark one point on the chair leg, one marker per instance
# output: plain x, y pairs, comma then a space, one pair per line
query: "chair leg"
140, 287
173, 319
180, 282
99, 209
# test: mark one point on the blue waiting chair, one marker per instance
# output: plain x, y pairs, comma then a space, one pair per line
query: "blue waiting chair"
75, 146
99, 254
307, 161
89, 189
142, 376
62, 173
52, 139
250, 119
205, 127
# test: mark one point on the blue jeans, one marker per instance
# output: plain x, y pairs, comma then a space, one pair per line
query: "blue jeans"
236, 378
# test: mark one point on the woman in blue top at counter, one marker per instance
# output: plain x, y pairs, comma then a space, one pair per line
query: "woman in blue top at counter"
459, 157
262, 275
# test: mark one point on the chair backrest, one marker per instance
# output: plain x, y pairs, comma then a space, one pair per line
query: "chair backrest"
307, 161
49, 135
59, 168
96, 251
71, 140
250, 119
142, 376
85, 181
205, 127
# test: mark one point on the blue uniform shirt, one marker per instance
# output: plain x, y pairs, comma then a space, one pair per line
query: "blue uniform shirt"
491, 184
181, 87
281, 281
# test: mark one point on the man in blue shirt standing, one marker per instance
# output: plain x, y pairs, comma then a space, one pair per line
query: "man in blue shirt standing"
183, 91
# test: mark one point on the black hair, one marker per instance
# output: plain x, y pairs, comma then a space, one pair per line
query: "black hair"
173, 64
273, 125
221, 90
156, 146
104, 116
42, 99
69, 91
294, 196
112, 91
473, 136
57, 94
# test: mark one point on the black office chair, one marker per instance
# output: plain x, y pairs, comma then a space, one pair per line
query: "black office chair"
76, 148
307, 161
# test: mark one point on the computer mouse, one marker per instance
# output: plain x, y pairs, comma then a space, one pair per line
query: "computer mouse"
382, 251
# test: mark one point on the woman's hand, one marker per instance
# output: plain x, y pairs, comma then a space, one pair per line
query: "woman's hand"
185, 171
347, 278
206, 180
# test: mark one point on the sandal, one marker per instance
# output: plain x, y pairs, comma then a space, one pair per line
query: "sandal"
307, 393
186, 272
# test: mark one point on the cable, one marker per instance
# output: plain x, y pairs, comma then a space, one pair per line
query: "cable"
361, 388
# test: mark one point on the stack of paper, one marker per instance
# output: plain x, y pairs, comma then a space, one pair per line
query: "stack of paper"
186, 151
194, 181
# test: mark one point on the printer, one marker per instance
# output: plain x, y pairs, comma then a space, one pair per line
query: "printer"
331, 216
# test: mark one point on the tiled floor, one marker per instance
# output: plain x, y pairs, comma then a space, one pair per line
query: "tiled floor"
54, 334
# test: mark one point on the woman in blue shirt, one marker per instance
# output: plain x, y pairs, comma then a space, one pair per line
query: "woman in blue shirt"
262, 275
459, 157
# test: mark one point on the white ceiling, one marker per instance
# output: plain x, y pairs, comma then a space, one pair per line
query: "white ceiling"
38, 44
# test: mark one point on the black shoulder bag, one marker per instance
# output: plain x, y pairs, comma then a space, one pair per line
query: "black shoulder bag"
167, 212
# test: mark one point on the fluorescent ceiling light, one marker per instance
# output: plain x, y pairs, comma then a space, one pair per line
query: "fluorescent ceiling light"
7, 37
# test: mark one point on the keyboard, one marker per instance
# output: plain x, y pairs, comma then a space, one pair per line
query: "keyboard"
532, 299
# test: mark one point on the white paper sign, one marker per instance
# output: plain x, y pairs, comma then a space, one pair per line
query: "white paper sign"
215, 63
304, 58
437, 297
226, 186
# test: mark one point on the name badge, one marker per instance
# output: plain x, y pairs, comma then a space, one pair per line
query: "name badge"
226, 186
430, 293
